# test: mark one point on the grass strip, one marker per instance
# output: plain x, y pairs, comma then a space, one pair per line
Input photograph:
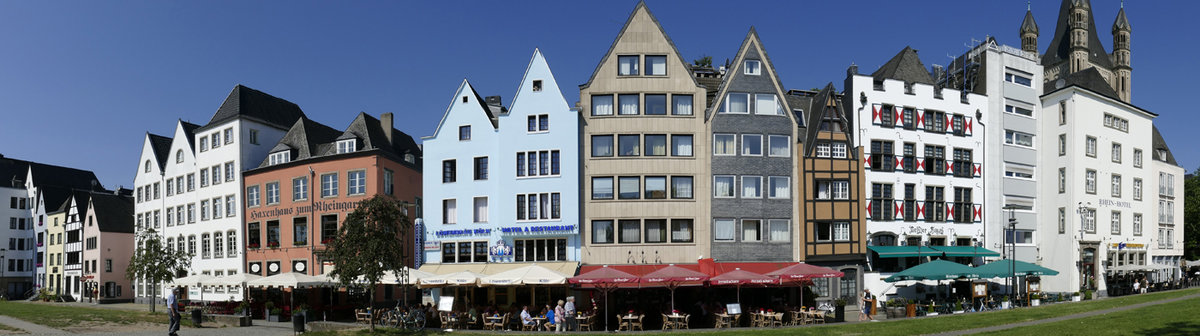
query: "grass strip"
1175, 318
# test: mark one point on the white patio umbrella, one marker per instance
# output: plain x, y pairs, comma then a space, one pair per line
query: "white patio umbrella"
464, 278
393, 277
291, 280
198, 280
527, 275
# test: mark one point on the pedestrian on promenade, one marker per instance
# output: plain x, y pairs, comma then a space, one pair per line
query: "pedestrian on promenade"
866, 306
572, 324
560, 318
173, 312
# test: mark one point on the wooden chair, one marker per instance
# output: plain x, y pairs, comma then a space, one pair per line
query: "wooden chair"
687, 319
819, 317
621, 325
666, 322
777, 319
638, 324
587, 323
361, 316
529, 327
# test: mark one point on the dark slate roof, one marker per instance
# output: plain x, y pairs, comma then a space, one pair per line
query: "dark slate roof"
1089, 78
257, 105
905, 66
799, 103
711, 85
190, 130
161, 146
53, 197
816, 111
372, 134
751, 45
1160, 144
491, 114
80, 196
1122, 22
304, 139
1028, 25
14, 171
640, 4
1060, 47
114, 213
310, 139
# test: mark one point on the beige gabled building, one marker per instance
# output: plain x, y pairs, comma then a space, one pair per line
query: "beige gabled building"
645, 153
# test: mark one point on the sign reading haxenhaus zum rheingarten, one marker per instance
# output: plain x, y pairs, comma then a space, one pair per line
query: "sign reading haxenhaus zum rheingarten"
318, 206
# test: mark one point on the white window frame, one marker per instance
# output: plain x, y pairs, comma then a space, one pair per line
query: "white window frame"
758, 233
841, 231
728, 99
1116, 152
279, 157
745, 151
1015, 138
785, 180
1116, 185
1089, 181
347, 146
733, 229
479, 217
787, 230
732, 184
352, 185
752, 67
840, 150
1016, 110
773, 108
1090, 146
787, 142
329, 188
734, 150
758, 193
824, 150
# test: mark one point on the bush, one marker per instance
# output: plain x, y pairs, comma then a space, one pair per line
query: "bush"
1087, 295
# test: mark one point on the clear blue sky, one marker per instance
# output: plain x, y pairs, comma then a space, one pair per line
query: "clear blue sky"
82, 81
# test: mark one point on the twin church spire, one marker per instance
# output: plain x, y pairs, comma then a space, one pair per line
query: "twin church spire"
1076, 46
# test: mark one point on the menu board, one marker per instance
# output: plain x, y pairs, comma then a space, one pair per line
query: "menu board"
979, 289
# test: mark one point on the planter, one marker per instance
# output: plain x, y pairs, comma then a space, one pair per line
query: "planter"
272, 318
910, 310
1035, 302
931, 314
958, 311
1076, 298
1005, 305
839, 314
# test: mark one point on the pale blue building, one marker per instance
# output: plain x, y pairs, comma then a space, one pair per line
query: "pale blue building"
502, 185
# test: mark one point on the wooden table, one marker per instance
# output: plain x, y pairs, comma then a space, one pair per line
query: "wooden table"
628, 320
538, 322
494, 321
579, 320
677, 320
724, 321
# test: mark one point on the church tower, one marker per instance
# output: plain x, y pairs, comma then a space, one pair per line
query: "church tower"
1078, 23
1029, 33
1120, 32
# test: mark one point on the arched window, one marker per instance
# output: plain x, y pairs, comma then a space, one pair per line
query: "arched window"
179, 156
147, 166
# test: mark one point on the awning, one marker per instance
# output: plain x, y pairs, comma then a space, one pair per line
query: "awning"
566, 269
1007, 267
932, 251
935, 270
528, 275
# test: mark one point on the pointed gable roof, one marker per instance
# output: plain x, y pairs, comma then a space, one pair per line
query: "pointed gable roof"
639, 10
816, 113
257, 105
751, 44
189, 129
906, 66
1060, 47
114, 213
1122, 22
1160, 144
45, 175
1089, 78
538, 63
304, 138
80, 197
161, 146
1028, 25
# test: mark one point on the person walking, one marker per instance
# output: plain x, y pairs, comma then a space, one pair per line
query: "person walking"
572, 324
173, 312
865, 303
560, 318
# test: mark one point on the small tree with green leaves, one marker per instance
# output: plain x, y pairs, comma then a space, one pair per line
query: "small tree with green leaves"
370, 243
703, 62
155, 262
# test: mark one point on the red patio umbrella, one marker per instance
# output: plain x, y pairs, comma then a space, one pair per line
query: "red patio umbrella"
606, 280
673, 277
738, 277
802, 272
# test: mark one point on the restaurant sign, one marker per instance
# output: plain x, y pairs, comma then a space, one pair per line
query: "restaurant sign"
433, 245
537, 229
316, 206
1124, 246
464, 232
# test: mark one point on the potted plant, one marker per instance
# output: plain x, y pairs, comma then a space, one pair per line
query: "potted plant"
1005, 303
302, 309
1035, 299
910, 308
273, 245
272, 313
929, 310
252, 246
839, 310
958, 307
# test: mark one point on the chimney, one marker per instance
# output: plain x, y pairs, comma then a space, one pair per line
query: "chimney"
385, 121
493, 101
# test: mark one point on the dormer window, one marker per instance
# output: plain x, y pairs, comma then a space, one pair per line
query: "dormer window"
279, 158
1161, 153
753, 67
410, 158
347, 146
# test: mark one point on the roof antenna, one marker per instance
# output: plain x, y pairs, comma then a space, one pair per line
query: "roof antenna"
1029, 7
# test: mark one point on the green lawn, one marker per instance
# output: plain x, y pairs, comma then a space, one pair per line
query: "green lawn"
1176, 318
62, 316
919, 325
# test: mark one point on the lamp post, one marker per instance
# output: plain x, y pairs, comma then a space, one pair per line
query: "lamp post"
1082, 211
1011, 235
4, 283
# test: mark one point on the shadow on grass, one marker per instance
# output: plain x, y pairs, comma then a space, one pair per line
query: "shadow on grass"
1173, 329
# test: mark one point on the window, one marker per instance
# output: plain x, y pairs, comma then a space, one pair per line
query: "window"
753, 67
886, 118
203, 145
724, 144
602, 146
449, 171
527, 250
179, 156
631, 231
1091, 146
751, 230
191, 245
766, 104
537, 85
1018, 172
274, 159
964, 210
218, 245
191, 213
170, 188
350, 145
1018, 110
1062, 180
1137, 189
910, 202
681, 145
656, 104
1062, 144
1116, 185
839, 150
179, 185
216, 140
935, 204
824, 149
216, 210
1018, 138
328, 228
827, 190
1019, 237
751, 187
681, 104
230, 207
779, 230
156, 188
1090, 181
1062, 220
841, 231
481, 210
1116, 152
539, 123
781, 146
935, 160
464, 133
737, 103
629, 104
629, 187
1089, 220
1018, 79
254, 136
205, 245
1137, 158
779, 187
656, 144
627, 65
300, 188
252, 196
883, 157
481, 168
602, 189
191, 182
656, 231
824, 231
388, 181
723, 186
449, 211
357, 182
602, 105
602, 232
329, 185
273, 193
963, 166
935, 121
1137, 224
656, 187
629, 145
752, 144
1116, 122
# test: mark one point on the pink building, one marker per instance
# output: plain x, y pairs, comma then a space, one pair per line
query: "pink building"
108, 244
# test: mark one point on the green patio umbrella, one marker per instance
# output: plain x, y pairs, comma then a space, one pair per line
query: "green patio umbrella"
935, 270
1007, 268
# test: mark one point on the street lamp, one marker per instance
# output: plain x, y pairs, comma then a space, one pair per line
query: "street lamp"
1081, 210
1012, 236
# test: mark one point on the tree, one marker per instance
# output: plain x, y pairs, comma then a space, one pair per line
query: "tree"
1191, 216
703, 62
370, 243
155, 262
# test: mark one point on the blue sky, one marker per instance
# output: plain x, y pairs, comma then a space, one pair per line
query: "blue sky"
82, 81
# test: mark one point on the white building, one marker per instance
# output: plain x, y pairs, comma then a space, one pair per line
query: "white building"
923, 153
1167, 249
188, 186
